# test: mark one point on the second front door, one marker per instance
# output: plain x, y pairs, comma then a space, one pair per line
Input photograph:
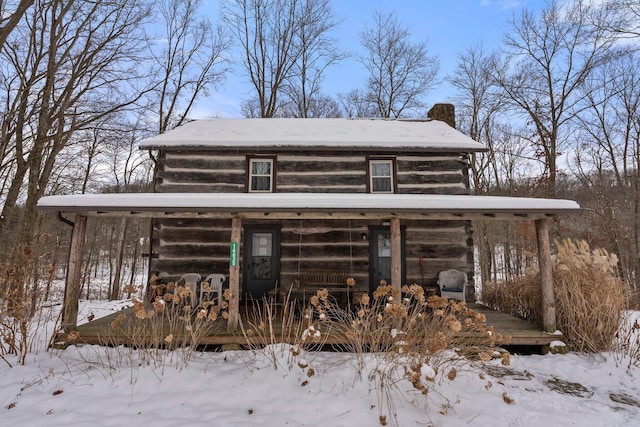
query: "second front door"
262, 249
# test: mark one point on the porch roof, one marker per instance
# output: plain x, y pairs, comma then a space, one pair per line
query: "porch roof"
307, 205
278, 134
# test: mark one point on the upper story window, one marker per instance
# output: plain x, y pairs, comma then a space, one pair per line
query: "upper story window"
261, 175
381, 176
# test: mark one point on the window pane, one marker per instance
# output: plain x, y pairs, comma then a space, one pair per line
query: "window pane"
260, 183
261, 244
381, 169
381, 185
261, 168
260, 268
384, 246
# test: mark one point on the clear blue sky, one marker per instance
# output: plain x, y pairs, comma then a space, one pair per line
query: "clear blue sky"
448, 26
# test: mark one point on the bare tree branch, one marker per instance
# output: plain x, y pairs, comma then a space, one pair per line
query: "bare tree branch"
285, 48
400, 72
551, 57
302, 88
191, 61
10, 19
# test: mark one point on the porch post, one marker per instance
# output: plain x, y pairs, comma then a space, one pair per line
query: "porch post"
396, 254
234, 274
74, 274
546, 276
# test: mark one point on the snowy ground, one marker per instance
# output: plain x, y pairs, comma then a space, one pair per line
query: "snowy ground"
95, 386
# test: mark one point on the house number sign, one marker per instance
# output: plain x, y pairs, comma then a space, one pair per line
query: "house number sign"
233, 254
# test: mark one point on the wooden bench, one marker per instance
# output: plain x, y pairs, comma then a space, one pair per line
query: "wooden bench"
314, 280
311, 281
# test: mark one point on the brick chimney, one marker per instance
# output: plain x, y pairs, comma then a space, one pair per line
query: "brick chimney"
443, 112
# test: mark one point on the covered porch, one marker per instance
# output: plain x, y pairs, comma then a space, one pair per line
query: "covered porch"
392, 209
101, 332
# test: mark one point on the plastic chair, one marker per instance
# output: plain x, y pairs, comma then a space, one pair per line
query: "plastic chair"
215, 282
453, 284
192, 280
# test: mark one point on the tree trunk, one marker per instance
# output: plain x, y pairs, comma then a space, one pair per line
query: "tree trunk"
115, 284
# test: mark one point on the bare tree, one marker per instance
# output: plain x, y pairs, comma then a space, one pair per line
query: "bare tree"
190, 62
318, 106
78, 167
551, 57
129, 172
266, 31
400, 72
318, 51
280, 41
479, 107
250, 108
607, 158
357, 104
10, 15
66, 67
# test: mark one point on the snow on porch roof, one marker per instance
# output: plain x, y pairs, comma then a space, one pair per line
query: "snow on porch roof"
374, 134
158, 204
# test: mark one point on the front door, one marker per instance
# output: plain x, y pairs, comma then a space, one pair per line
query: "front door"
380, 257
262, 248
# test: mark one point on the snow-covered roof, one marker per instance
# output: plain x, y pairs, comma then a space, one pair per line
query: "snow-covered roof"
371, 134
234, 203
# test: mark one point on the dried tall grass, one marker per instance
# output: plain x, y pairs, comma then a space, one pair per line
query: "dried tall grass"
274, 328
590, 296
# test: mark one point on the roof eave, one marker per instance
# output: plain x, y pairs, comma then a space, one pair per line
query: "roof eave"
321, 213
298, 148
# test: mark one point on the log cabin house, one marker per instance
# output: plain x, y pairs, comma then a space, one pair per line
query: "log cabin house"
310, 160
270, 201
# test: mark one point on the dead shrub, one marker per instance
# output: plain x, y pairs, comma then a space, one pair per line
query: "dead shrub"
590, 296
408, 335
25, 284
168, 323
404, 321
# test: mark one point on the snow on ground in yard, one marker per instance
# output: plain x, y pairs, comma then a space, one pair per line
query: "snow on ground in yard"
89, 386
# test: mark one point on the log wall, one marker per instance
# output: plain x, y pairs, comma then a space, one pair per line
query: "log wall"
202, 245
318, 172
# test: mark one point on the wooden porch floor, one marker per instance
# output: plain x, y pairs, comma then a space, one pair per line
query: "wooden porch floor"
100, 331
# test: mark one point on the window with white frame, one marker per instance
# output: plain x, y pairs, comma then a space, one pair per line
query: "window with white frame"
381, 176
261, 175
